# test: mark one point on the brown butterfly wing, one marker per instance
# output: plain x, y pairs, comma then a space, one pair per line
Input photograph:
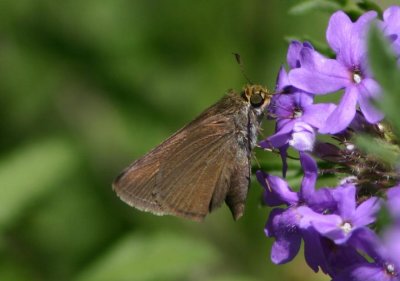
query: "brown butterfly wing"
136, 185
197, 175
181, 175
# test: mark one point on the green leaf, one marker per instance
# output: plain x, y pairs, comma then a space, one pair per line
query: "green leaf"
30, 172
368, 5
379, 149
383, 220
341, 2
313, 5
385, 69
164, 256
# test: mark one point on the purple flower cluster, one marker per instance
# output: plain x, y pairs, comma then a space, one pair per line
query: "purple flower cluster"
311, 74
334, 227
297, 118
336, 224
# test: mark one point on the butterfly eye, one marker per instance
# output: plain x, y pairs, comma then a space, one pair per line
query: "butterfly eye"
256, 99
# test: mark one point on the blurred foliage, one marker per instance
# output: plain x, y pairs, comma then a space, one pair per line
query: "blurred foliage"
308, 6
354, 8
88, 86
384, 65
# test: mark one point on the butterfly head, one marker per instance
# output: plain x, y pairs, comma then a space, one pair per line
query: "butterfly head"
257, 96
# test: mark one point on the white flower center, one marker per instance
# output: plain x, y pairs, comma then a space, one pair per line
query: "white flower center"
350, 146
346, 227
297, 112
357, 78
390, 268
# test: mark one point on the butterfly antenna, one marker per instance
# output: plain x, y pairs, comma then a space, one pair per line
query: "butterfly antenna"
239, 61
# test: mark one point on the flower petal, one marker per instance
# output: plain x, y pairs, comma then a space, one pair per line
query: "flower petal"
366, 240
339, 257
363, 272
345, 197
269, 226
276, 190
303, 137
391, 25
270, 198
344, 113
338, 30
284, 105
316, 114
275, 141
282, 81
391, 17
391, 238
284, 250
293, 54
313, 252
369, 89
393, 201
331, 229
321, 201
327, 225
280, 138
372, 88
363, 21
287, 243
302, 99
283, 153
310, 175
366, 212
353, 49
319, 75
281, 106
315, 83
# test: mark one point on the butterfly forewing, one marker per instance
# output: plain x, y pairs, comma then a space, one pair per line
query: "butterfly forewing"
180, 176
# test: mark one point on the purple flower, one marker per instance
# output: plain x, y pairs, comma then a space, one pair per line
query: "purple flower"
339, 257
283, 225
294, 112
385, 255
340, 226
349, 71
391, 26
297, 118
286, 225
293, 54
391, 250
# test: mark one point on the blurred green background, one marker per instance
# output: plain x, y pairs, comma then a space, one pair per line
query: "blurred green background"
88, 86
